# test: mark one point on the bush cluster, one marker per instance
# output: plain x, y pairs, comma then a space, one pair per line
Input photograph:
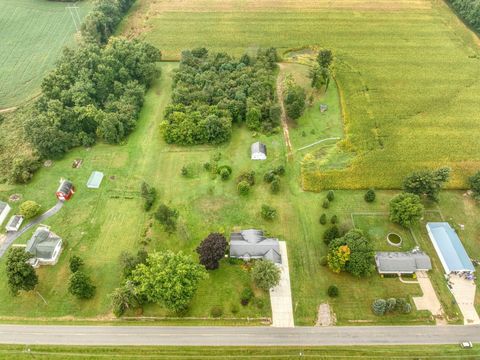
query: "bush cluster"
381, 307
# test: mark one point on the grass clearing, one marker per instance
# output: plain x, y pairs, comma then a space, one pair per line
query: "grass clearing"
407, 71
33, 35
99, 224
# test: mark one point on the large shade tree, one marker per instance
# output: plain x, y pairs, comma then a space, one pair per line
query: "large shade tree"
20, 274
265, 274
426, 183
406, 209
168, 278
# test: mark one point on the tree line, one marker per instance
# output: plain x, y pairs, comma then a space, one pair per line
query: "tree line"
101, 22
213, 91
469, 10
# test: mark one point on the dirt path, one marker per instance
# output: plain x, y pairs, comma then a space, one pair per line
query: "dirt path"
283, 116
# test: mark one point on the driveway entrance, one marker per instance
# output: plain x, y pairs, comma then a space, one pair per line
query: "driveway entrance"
463, 291
281, 295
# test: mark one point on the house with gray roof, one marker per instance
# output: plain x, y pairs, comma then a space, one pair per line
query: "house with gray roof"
45, 246
402, 262
252, 244
259, 151
4, 210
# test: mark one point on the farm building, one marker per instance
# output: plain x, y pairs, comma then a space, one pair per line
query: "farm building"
95, 180
449, 248
65, 190
45, 246
14, 223
252, 244
402, 262
259, 151
4, 210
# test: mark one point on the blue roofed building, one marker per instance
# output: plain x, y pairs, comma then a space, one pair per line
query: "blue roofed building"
449, 248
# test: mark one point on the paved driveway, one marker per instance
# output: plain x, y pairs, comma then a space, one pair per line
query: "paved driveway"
12, 236
429, 301
463, 291
281, 295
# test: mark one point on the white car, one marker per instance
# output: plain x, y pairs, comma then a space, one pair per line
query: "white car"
466, 345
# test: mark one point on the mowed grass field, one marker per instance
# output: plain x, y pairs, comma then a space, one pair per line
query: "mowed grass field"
33, 35
99, 224
16, 352
407, 70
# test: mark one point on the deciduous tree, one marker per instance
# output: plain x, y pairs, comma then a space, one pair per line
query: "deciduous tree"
168, 278
211, 250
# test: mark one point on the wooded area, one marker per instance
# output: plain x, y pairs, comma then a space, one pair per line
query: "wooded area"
212, 91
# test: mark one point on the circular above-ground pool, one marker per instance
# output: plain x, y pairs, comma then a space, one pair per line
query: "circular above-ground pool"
394, 239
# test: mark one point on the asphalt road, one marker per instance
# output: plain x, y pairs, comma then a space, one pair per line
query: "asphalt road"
239, 336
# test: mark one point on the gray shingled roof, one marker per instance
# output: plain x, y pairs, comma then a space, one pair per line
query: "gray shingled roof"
402, 262
252, 244
259, 147
42, 243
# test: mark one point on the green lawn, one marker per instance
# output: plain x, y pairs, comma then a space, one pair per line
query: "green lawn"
33, 35
407, 71
17, 352
100, 224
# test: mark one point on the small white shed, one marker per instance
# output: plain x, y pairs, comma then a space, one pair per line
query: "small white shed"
4, 210
259, 151
14, 223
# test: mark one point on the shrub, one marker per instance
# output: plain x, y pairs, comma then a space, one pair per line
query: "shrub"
323, 219
216, 311
76, 262
275, 185
243, 188
167, 217
379, 307
29, 209
269, 176
207, 166
123, 298
474, 182
334, 219
391, 305
224, 174
403, 306
279, 170
246, 296
248, 176
333, 291
259, 303
326, 204
265, 274
268, 212
324, 261
81, 285
369, 196
331, 233
330, 195
149, 194
407, 308
234, 309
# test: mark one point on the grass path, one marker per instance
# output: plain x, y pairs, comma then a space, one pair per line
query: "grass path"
283, 115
